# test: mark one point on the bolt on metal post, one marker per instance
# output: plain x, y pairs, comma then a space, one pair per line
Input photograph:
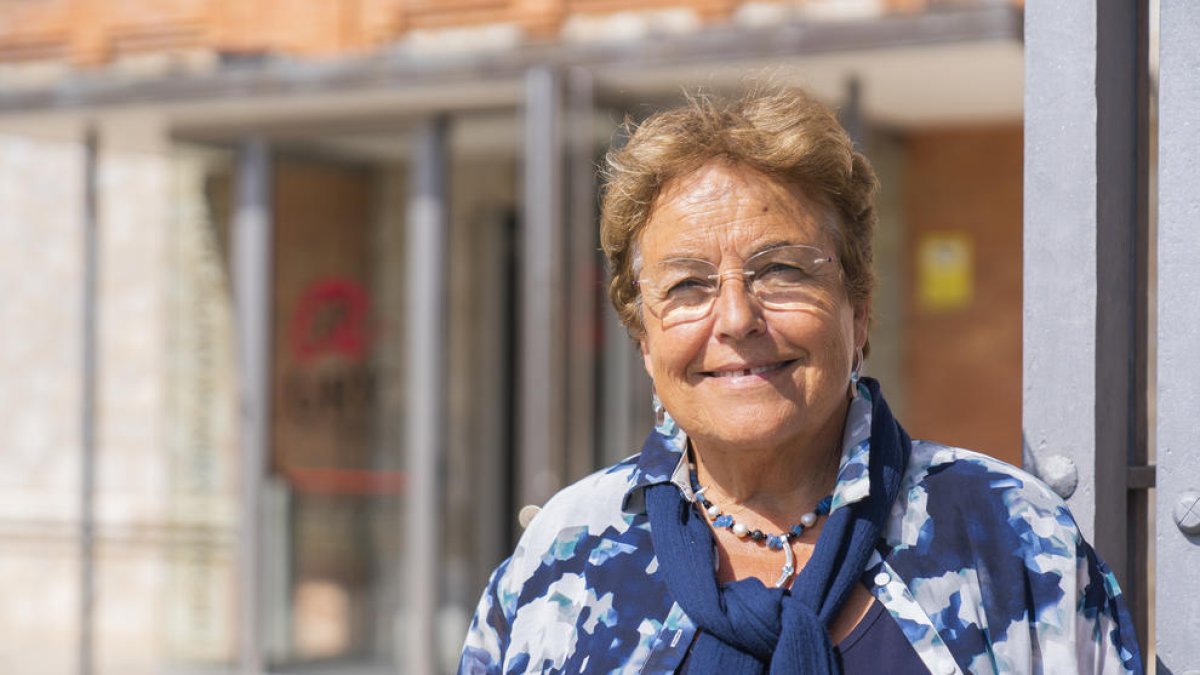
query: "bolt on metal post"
1187, 513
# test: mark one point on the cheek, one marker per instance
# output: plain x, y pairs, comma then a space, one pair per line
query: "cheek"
838, 336
668, 356
828, 339
842, 343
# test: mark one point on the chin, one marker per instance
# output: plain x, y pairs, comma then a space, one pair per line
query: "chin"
757, 423
749, 428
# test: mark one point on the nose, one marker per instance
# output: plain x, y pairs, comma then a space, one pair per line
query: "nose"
738, 313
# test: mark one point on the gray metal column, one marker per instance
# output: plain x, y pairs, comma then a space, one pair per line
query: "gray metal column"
252, 251
850, 113
425, 347
626, 410
1084, 246
1178, 390
618, 431
581, 307
540, 432
90, 338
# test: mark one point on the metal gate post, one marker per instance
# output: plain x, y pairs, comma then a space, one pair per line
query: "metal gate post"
426, 254
581, 287
1084, 249
252, 253
542, 391
90, 338
1178, 390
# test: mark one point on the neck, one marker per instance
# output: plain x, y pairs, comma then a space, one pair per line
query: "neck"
776, 483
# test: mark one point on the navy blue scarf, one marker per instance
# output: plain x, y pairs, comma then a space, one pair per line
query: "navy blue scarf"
746, 627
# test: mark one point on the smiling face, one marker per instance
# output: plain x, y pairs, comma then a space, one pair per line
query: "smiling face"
749, 378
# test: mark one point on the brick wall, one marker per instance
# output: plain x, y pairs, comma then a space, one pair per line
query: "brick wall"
963, 360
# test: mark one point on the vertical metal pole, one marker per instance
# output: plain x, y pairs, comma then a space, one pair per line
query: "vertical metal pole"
542, 336
617, 433
627, 412
91, 274
1081, 258
850, 114
584, 241
425, 400
492, 256
1178, 391
1120, 292
1140, 474
253, 255
1059, 351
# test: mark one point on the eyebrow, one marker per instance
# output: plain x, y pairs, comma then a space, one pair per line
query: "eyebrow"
776, 243
693, 255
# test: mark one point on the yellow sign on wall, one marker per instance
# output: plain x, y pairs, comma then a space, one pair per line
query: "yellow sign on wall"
945, 271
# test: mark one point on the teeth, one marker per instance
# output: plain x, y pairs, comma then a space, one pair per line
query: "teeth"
748, 371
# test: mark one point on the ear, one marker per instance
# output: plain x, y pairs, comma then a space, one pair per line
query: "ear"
647, 360
862, 323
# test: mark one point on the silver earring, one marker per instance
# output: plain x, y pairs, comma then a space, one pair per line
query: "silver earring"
856, 370
660, 413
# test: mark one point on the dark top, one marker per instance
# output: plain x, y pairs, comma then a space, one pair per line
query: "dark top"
876, 645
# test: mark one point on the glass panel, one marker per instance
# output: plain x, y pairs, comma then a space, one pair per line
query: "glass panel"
479, 517
334, 522
343, 489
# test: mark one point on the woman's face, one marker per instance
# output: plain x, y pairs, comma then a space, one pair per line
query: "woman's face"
725, 214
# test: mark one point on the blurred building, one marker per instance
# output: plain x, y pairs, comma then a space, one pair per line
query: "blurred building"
334, 501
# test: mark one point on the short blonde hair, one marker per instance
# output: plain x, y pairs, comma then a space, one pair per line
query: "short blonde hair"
783, 133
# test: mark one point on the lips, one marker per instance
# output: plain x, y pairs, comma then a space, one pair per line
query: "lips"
734, 371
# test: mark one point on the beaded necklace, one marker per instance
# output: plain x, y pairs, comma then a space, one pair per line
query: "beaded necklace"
775, 542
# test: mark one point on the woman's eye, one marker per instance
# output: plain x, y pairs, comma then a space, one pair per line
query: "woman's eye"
685, 285
688, 285
782, 272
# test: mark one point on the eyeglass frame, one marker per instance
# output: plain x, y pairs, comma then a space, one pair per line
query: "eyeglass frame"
745, 274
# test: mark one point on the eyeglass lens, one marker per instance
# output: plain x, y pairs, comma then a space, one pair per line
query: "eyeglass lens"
684, 290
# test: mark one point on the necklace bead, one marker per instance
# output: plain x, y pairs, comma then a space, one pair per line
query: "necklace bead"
775, 542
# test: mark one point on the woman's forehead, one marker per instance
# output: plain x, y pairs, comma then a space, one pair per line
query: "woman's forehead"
721, 210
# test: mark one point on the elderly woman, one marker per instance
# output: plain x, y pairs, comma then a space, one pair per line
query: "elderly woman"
779, 519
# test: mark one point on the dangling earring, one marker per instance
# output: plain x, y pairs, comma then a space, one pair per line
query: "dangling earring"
660, 413
856, 371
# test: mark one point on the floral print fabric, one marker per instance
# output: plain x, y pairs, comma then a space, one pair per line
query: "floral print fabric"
981, 565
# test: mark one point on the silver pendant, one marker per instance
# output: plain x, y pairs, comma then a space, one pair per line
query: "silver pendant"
789, 565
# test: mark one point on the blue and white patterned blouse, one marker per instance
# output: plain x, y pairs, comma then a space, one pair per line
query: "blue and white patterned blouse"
980, 564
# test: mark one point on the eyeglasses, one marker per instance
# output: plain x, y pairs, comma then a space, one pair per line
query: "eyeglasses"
682, 290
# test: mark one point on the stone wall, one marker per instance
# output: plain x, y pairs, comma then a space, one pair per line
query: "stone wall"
41, 243
164, 484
